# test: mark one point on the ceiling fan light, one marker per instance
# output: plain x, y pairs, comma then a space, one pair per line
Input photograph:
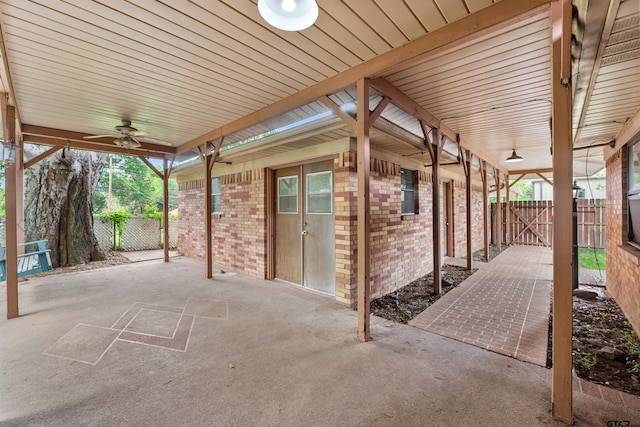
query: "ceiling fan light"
289, 15
514, 158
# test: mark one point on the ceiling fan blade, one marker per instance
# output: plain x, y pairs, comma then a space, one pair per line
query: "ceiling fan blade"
101, 136
156, 141
133, 142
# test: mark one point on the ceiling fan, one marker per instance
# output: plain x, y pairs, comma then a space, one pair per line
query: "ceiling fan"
126, 136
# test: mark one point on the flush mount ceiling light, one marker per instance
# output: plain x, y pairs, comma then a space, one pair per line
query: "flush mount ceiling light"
514, 157
289, 15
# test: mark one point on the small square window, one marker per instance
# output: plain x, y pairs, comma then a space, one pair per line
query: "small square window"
408, 186
216, 197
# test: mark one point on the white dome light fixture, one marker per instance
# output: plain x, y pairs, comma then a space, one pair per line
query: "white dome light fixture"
289, 15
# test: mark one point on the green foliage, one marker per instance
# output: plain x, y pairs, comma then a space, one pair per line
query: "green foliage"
119, 218
593, 259
152, 212
134, 186
526, 190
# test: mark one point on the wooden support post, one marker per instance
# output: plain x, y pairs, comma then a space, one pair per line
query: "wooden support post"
364, 162
168, 166
209, 159
507, 201
435, 142
485, 208
561, 392
11, 203
496, 175
207, 213
467, 172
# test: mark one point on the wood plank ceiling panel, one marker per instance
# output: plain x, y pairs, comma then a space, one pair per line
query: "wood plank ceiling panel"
616, 94
494, 91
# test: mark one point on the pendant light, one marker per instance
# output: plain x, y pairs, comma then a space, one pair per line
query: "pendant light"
289, 15
514, 158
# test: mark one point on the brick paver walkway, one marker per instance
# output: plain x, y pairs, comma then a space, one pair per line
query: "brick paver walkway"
504, 307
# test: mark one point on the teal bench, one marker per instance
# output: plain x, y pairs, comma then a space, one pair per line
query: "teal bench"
30, 262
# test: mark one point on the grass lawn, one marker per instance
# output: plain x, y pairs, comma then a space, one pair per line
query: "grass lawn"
594, 259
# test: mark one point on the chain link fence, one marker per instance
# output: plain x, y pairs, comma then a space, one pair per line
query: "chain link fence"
139, 234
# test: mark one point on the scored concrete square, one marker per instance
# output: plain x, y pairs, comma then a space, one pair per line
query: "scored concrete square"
204, 307
84, 343
152, 322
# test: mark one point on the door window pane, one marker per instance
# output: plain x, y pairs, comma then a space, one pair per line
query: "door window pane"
288, 194
320, 193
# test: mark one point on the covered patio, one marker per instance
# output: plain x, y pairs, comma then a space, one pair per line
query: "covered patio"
104, 347
434, 88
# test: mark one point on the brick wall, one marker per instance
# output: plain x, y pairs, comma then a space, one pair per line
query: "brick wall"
401, 245
239, 232
460, 218
191, 224
623, 261
401, 248
346, 226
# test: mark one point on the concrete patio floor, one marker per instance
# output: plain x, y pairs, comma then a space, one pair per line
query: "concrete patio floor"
157, 344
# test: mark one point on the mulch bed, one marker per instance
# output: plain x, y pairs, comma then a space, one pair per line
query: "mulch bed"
407, 302
111, 258
606, 349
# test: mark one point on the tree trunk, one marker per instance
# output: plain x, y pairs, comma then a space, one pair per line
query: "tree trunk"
58, 205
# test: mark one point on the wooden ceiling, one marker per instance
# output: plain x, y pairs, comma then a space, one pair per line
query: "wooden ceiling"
180, 69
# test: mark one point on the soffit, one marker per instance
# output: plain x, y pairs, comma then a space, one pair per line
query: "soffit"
615, 95
178, 69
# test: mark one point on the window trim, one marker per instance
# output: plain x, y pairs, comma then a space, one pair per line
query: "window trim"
413, 191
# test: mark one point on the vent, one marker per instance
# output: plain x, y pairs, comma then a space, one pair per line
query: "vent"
616, 49
626, 23
623, 57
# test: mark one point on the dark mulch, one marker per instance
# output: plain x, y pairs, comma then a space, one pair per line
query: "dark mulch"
606, 349
493, 252
407, 302
111, 258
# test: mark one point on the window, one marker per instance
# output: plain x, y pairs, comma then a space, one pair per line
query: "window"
320, 193
634, 193
288, 194
216, 198
408, 183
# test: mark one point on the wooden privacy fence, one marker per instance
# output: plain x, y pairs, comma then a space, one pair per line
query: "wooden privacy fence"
531, 223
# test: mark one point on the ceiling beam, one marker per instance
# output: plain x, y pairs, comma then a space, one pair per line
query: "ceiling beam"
93, 146
530, 171
99, 144
473, 26
604, 15
405, 102
7, 83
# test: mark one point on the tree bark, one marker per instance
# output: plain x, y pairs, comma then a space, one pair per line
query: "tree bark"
58, 205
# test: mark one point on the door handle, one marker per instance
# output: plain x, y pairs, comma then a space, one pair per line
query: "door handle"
305, 232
